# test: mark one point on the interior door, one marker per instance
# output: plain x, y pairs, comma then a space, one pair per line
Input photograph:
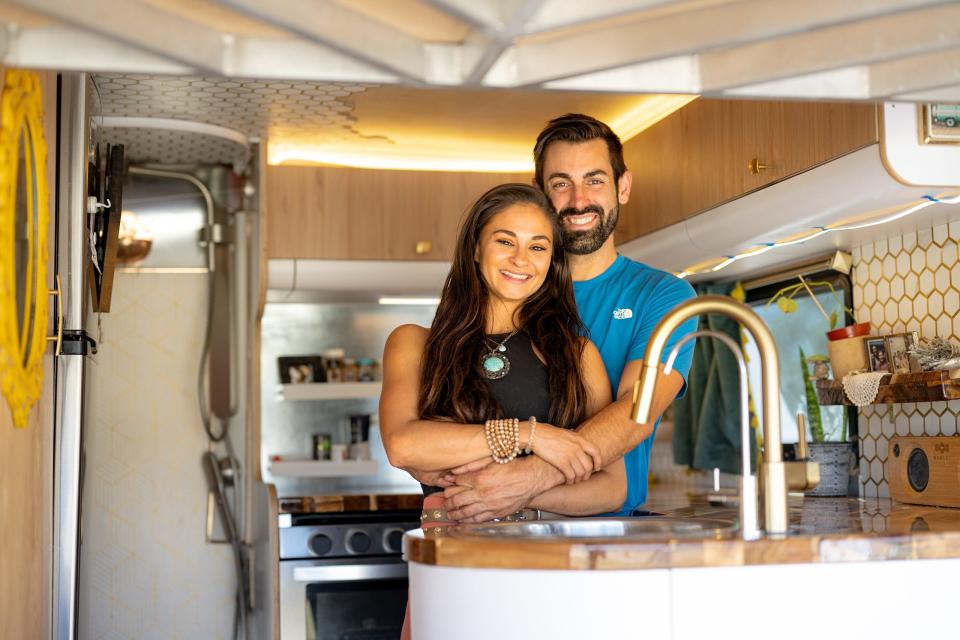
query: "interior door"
26, 466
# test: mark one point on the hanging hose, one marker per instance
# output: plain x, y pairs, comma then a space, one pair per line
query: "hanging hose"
211, 464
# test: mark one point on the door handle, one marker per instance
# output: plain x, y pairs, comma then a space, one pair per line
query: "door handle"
350, 573
58, 338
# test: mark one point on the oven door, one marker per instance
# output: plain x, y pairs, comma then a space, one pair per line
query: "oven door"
344, 600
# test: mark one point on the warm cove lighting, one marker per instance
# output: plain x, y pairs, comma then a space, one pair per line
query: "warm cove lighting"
410, 301
647, 112
429, 154
722, 263
439, 161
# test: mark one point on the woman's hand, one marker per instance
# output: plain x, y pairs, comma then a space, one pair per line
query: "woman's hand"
575, 456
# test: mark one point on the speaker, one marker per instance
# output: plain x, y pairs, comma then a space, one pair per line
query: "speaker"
924, 470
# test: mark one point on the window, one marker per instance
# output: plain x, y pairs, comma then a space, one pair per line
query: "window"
805, 328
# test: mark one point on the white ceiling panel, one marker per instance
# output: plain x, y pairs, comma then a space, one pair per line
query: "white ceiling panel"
802, 49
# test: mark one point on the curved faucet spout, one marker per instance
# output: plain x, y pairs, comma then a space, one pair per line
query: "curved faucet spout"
748, 482
773, 473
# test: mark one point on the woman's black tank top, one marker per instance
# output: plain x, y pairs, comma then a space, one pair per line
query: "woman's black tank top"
524, 391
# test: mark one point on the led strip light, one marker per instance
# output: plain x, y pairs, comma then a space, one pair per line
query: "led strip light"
726, 261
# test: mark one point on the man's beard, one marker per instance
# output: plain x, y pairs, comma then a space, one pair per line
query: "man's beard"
581, 243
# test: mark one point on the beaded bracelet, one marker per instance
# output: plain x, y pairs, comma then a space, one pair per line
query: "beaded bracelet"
503, 439
533, 429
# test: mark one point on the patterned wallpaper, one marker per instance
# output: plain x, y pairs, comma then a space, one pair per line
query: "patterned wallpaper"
321, 110
906, 283
146, 571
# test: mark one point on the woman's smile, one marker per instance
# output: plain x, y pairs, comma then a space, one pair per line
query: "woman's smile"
515, 276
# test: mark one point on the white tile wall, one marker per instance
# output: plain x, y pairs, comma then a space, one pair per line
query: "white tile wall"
146, 571
906, 283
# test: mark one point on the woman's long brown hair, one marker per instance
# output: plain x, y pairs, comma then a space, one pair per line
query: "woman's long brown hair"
452, 383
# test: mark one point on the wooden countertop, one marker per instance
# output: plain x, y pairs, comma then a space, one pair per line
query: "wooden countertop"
822, 530
374, 501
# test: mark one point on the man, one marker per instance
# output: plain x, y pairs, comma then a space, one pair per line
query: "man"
579, 165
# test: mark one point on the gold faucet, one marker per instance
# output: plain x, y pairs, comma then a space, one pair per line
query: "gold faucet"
773, 471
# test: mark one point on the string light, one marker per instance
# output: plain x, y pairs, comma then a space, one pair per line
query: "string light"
816, 233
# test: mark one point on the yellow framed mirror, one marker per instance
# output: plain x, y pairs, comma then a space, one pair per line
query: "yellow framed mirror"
24, 248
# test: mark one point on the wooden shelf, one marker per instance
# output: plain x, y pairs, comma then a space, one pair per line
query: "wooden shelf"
924, 386
330, 390
322, 468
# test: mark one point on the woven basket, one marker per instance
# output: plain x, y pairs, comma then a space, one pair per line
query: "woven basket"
836, 466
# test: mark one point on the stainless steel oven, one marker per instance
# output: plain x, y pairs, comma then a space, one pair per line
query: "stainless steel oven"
342, 576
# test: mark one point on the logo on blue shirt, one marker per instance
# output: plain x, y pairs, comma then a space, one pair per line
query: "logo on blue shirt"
622, 314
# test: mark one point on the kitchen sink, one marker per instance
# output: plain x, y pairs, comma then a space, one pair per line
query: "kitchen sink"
649, 527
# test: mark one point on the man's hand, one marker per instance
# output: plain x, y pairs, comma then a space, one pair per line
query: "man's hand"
494, 491
432, 478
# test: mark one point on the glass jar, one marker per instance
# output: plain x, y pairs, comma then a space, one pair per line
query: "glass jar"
365, 372
350, 371
333, 360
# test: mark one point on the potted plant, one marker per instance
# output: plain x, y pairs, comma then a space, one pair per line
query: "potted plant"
834, 457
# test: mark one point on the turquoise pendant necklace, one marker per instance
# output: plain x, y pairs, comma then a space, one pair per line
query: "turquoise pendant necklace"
495, 362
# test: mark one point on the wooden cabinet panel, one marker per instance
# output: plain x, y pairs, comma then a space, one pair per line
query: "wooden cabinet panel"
26, 468
367, 214
698, 157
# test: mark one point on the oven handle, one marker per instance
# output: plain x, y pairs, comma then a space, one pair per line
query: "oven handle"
350, 573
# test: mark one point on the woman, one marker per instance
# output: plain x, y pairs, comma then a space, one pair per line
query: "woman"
503, 368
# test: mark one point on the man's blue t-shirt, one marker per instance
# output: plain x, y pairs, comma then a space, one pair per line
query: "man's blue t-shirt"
620, 308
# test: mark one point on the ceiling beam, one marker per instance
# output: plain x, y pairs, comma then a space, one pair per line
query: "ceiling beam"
848, 83
490, 15
256, 57
924, 72
679, 74
556, 14
71, 49
913, 74
867, 41
143, 27
492, 46
339, 28
627, 42
949, 95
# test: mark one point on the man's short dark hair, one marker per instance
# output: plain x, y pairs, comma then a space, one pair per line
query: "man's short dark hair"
576, 127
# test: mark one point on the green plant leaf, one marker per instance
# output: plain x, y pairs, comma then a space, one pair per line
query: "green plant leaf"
813, 404
787, 305
833, 319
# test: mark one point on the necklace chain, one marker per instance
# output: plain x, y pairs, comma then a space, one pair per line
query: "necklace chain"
500, 347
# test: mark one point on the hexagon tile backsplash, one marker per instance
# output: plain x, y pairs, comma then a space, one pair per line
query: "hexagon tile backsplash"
257, 108
906, 283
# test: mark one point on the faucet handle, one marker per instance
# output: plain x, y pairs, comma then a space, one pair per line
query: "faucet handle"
802, 441
802, 475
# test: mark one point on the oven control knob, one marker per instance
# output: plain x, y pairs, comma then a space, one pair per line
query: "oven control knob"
358, 542
321, 544
393, 540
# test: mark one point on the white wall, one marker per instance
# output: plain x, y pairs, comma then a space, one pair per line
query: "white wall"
145, 569
908, 282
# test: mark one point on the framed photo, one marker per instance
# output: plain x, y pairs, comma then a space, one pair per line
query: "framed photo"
301, 369
940, 124
877, 354
898, 352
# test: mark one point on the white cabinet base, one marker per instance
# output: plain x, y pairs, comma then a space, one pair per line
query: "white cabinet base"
485, 604
870, 600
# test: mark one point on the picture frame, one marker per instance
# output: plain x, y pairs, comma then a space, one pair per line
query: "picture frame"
940, 123
877, 357
301, 369
898, 346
